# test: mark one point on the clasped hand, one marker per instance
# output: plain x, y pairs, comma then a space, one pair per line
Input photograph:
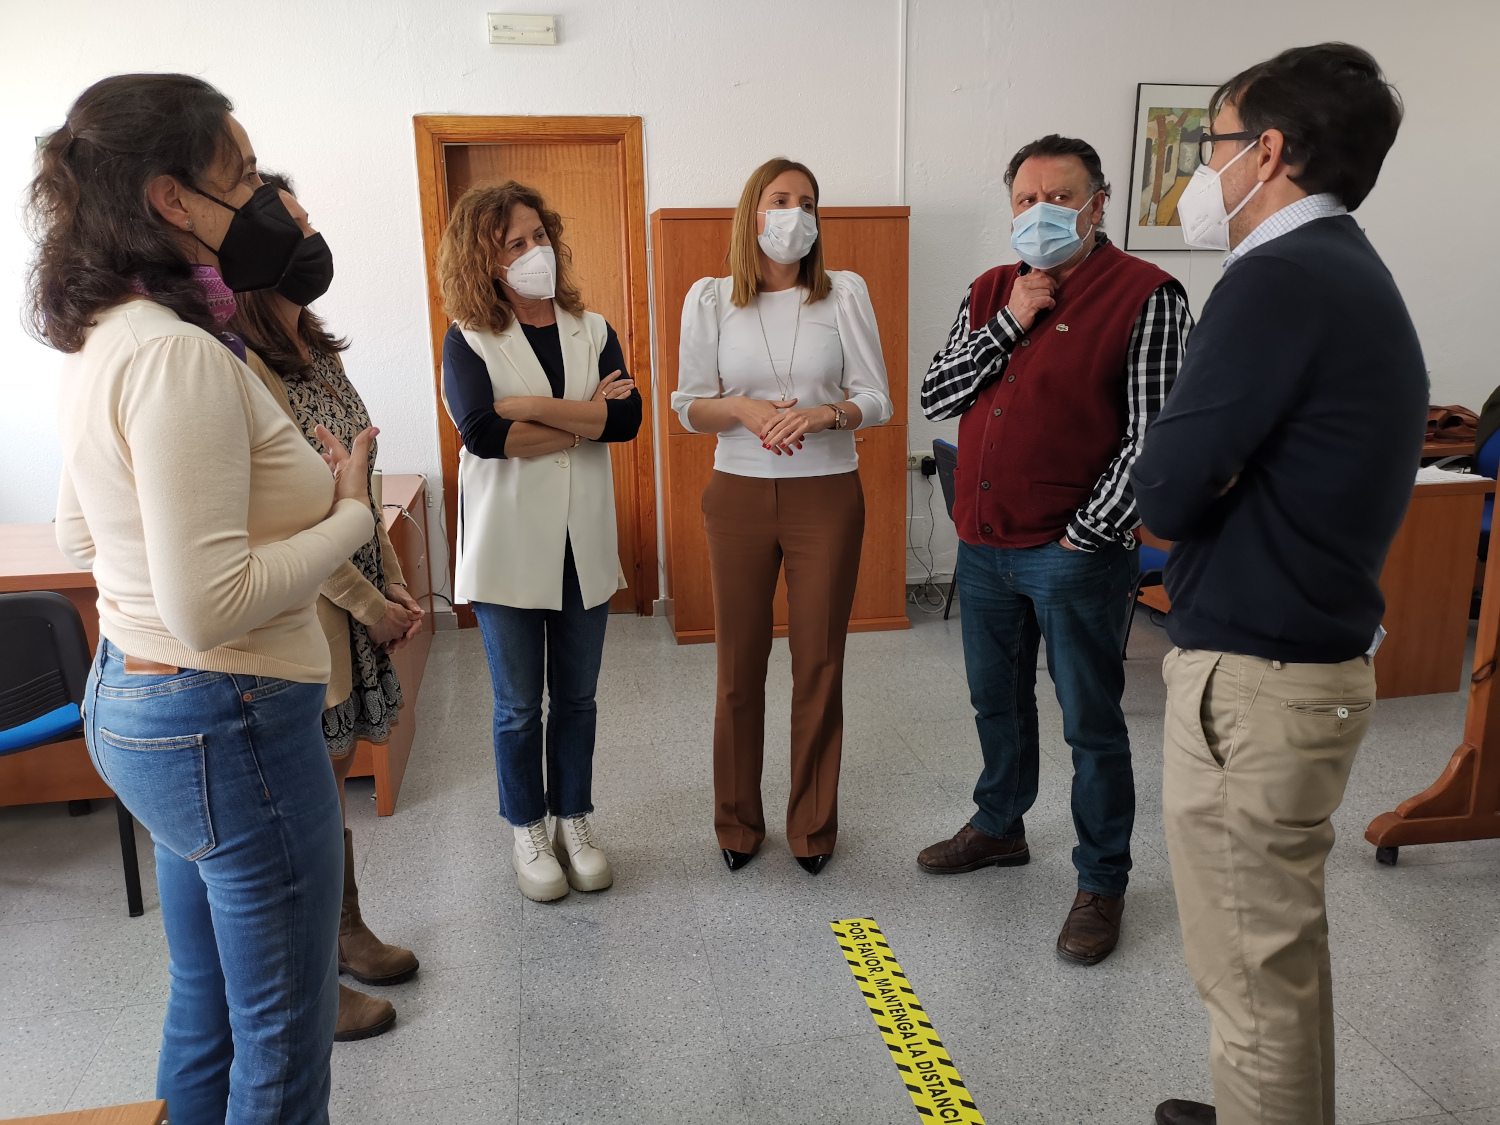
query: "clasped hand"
781, 426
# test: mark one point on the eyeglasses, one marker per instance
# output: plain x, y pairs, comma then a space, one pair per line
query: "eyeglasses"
1206, 145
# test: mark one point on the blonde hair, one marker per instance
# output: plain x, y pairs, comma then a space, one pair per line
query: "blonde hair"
744, 250
466, 256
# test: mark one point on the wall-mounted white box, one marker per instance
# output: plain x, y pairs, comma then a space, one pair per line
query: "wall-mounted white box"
506, 27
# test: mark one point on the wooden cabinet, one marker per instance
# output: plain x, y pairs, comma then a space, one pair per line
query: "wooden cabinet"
688, 244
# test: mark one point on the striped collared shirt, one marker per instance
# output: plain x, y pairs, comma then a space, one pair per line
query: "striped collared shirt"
1324, 205
973, 358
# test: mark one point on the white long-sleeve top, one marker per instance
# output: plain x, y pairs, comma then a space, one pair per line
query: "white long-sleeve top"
724, 353
196, 501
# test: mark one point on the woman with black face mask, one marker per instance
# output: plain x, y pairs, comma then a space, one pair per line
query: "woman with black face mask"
209, 525
364, 608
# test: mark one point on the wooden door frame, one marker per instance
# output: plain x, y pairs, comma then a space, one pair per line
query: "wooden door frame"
433, 131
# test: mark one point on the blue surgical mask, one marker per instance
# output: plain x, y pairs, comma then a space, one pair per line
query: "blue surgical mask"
1046, 235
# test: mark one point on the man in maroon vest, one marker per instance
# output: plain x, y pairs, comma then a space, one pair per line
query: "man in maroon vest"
1057, 365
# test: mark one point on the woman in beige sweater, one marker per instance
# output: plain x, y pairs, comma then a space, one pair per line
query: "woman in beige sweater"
365, 609
210, 525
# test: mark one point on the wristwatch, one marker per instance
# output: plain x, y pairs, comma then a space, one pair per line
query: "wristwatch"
840, 419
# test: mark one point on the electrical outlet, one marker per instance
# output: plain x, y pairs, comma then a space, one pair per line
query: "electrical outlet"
913, 462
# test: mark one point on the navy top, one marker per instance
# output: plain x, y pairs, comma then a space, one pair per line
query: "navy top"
471, 395
1305, 377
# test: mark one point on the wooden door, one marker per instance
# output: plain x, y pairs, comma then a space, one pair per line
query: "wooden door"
590, 170
691, 243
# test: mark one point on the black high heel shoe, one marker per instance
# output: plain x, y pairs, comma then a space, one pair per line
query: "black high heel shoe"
735, 860
812, 864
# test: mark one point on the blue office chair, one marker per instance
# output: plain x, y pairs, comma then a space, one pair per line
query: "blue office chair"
44, 666
945, 453
1153, 561
1486, 463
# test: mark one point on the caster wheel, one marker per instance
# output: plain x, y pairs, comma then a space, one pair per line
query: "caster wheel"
1386, 857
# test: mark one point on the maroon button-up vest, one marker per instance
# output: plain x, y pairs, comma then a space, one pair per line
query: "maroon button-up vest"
1035, 442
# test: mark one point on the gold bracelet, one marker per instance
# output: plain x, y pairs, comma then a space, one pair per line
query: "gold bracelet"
577, 441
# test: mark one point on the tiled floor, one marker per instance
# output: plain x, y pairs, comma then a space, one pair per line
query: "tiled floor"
689, 994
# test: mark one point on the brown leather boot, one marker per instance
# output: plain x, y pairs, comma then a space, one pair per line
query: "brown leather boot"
361, 954
970, 849
1093, 928
361, 1016
1175, 1111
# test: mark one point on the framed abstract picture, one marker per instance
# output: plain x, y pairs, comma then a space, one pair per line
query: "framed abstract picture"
1170, 119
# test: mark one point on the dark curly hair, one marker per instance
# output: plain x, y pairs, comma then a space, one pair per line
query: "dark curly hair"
98, 237
257, 322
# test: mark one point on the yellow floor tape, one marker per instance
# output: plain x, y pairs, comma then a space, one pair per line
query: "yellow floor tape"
930, 1076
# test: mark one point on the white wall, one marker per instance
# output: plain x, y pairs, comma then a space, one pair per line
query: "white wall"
327, 91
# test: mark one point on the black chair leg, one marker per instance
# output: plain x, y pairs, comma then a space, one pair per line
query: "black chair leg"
130, 859
948, 605
80, 808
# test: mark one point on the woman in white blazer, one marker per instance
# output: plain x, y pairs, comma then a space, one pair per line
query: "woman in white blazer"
537, 387
782, 360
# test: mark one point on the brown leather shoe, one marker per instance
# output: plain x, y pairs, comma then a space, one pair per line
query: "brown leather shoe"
1092, 930
361, 1016
361, 954
970, 849
1175, 1111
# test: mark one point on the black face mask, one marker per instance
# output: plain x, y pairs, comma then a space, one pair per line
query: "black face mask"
310, 273
260, 242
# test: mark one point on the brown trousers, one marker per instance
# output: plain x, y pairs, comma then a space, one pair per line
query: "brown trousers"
814, 525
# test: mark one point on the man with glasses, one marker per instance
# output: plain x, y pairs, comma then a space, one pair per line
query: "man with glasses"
1281, 467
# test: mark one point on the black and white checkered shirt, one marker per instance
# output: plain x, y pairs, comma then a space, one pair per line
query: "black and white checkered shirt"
972, 359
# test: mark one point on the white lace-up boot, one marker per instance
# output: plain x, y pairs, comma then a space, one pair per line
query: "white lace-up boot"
587, 867
537, 871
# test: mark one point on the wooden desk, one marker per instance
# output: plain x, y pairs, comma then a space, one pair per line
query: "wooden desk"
141, 1113
1428, 582
405, 500
30, 560
1433, 449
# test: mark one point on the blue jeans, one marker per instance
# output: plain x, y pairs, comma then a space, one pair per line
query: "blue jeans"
1011, 599
231, 775
564, 646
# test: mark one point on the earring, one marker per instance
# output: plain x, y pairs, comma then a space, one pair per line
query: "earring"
190, 224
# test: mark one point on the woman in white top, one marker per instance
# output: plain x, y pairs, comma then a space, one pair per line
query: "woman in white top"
782, 360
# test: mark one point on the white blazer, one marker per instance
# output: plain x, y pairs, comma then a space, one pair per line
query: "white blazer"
516, 514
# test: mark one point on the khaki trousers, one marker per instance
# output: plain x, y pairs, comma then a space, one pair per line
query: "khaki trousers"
1257, 757
815, 526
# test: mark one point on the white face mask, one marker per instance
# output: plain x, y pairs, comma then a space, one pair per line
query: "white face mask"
534, 273
1205, 225
789, 234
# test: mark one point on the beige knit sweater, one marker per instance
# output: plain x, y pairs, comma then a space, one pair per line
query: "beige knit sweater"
199, 506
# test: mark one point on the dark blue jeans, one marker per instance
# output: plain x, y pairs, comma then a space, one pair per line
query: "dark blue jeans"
1010, 599
231, 775
563, 648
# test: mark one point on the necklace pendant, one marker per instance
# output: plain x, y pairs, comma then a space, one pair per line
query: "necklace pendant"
783, 396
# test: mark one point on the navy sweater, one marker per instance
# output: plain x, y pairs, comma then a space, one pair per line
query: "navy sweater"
471, 396
1305, 378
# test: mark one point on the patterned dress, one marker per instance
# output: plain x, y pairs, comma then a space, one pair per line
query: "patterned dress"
327, 397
